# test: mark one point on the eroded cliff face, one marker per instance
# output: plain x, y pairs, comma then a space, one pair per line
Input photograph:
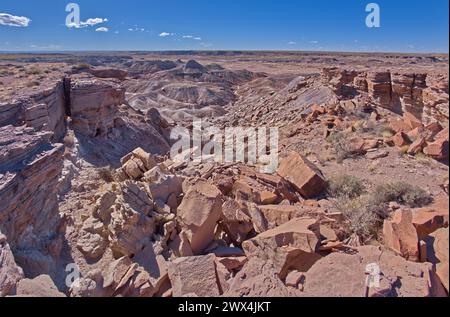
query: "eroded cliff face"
30, 166
44, 110
416, 93
36, 170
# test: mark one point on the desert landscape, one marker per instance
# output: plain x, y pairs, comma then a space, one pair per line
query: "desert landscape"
90, 193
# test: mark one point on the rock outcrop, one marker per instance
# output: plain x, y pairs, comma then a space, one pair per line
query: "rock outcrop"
94, 106
29, 215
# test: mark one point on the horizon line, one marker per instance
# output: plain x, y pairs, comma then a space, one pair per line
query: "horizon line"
217, 50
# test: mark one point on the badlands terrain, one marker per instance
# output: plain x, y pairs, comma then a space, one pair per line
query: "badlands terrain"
88, 188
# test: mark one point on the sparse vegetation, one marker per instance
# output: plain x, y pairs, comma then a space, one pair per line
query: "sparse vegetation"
69, 141
346, 186
404, 149
384, 132
421, 158
33, 83
402, 193
362, 221
366, 212
106, 174
34, 70
343, 147
81, 66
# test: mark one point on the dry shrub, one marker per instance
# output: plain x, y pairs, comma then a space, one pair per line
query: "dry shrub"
340, 141
69, 141
345, 186
365, 213
106, 174
402, 193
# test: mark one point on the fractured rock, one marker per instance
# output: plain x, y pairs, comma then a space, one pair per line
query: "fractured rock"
291, 246
400, 235
306, 178
199, 213
10, 272
343, 275
194, 275
437, 253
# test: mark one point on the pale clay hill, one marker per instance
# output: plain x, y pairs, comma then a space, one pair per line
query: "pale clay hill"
86, 178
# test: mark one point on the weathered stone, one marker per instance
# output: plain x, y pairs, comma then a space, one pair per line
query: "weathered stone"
417, 146
306, 178
291, 246
41, 286
10, 272
194, 275
400, 235
437, 253
427, 220
199, 213
94, 106
401, 139
344, 275
235, 221
258, 278
294, 278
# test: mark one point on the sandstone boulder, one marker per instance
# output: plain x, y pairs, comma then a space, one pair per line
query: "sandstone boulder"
417, 146
427, 220
41, 286
235, 221
343, 275
291, 246
199, 213
306, 178
258, 278
437, 253
194, 275
400, 235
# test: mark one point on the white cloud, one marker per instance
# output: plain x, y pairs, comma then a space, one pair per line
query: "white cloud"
192, 37
292, 43
88, 22
131, 30
12, 20
165, 34
314, 42
101, 29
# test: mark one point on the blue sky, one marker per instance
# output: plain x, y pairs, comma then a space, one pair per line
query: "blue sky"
332, 25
